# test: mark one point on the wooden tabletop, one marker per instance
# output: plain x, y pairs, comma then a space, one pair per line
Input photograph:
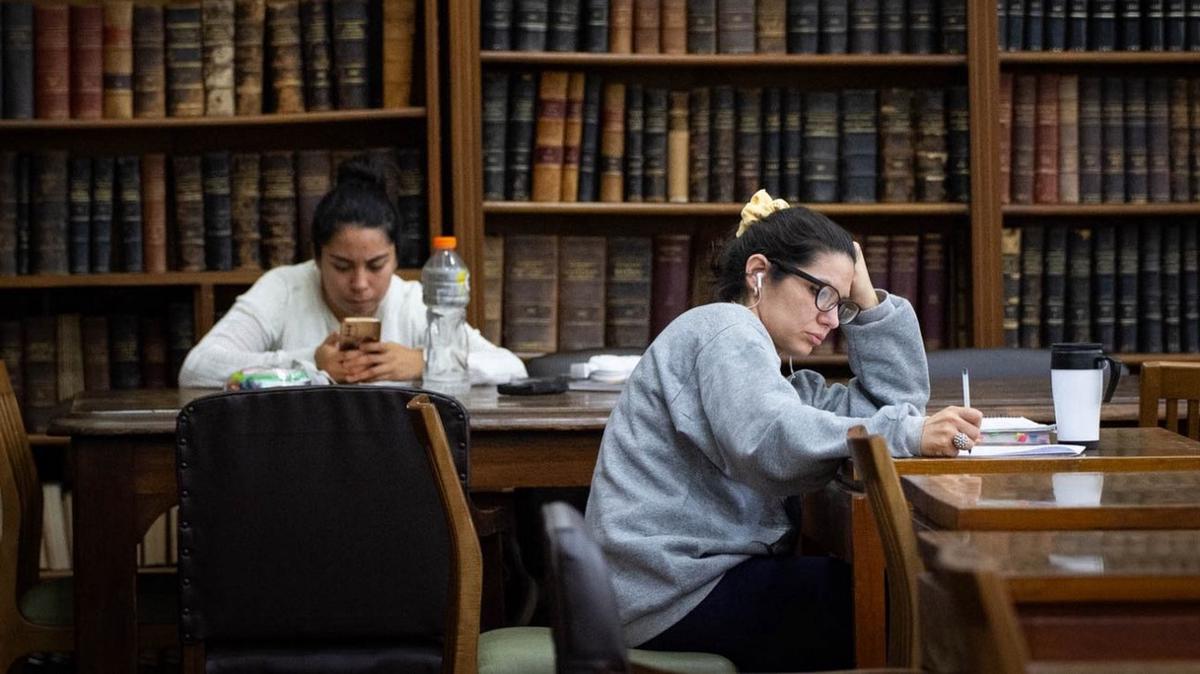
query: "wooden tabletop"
1081, 500
1102, 566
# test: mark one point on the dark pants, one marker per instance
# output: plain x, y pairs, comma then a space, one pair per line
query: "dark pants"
772, 614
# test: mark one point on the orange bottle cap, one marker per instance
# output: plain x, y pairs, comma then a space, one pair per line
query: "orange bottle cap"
444, 242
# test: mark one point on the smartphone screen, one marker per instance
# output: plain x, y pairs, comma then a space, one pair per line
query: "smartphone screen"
356, 330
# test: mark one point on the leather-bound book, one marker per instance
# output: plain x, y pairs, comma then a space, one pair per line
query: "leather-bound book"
1190, 282
1104, 286
771, 26
620, 34
699, 143
79, 215
1128, 319
877, 254
245, 195
820, 147
1015, 23
1054, 284
48, 213
864, 26
929, 144
635, 158
1172, 300
548, 148
128, 213
647, 27
1194, 115
531, 292
532, 23
1193, 24
87, 60
218, 227
103, 177
1175, 30
413, 239
673, 38
589, 144
1010, 268
154, 213
493, 288
52, 60
749, 143
496, 122
724, 143
94, 332
149, 60
1068, 139
791, 144
1045, 181
903, 266
17, 34
8, 213
188, 174
958, 145
40, 373
1035, 11
185, 62
702, 26
920, 26
496, 29
153, 352
278, 209
654, 145
318, 61
218, 45
859, 147
23, 180
1154, 24
892, 26
284, 57
248, 35
627, 295
669, 280
1102, 27
835, 21
1130, 21
678, 143
313, 181
612, 142
1150, 292
351, 28
1004, 110
895, 123
581, 268
735, 26
563, 26
181, 337
68, 361
1137, 170
594, 31
954, 26
125, 347
495, 136
1077, 25
804, 20
1158, 135
1091, 141
521, 100
1180, 140
772, 141
1024, 134
1032, 241
932, 302
117, 62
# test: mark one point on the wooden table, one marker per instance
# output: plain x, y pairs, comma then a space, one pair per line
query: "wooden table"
1088, 595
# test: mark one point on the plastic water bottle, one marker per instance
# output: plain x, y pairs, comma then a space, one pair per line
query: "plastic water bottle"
446, 287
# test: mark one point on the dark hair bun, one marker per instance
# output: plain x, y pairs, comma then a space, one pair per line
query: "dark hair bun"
362, 168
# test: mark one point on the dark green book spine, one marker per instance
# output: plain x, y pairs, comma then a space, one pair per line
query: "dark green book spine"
772, 130
702, 26
1102, 30
635, 157
532, 20
699, 143
1150, 293
48, 213
595, 26
1091, 141
724, 134
1127, 288
1113, 126
521, 98
413, 239
1131, 24
1079, 285
820, 147
1054, 284
892, 20
495, 136
1077, 25
1158, 135
314, 28
218, 225
793, 143
351, 29
563, 25
103, 174
864, 25
589, 145
860, 141
1032, 241
496, 31
1137, 169
1104, 286
129, 212
958, 144
1190, 271
803, 32
1172, 300
654, 145
1035, 11
17, 33
835, 19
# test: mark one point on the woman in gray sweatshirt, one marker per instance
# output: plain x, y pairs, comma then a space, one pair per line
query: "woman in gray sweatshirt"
708, 439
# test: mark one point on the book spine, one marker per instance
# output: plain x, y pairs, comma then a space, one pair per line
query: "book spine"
792, 142
531, 292
313, 181
595, 26
1137, 179
184, 44
877, 255
1035, 11
1010, 266
129, 212
860, 131
1158, 133
548, 149
8, 213
149, 65
181, 337
1193, 24
735, 26
1104, 286
351, 28
1175, 38
1113, 128
245, 197
572, 137
589, 144
154, 213
413, 240
495, 128
48, 213
895, 121
1054, 284
23, 178
1180, 134
52, 61
1045, 182
1004, 110
117, 61
654, 145
563, 26
1091, 141
931, 146
532, 23
521, 100
1190, 272
1077, 25
635, 158
702, 26
612, 143
79, 213
278, 208
771, 26
903, 266
94, 333
1194, 121
835, 20
1150, 294
724, 143
958, 145
627, 292
188, 176
248, 34
669, 279
820, 147
1127, 289
496, 29
804, 22
1130, 14
1032, 241
103, 176
12, 354
1172, 300
285, 58
87, 61
699, 143
493, 289
678, 140
1154, 24
581, 264
933, 290
17, 32
125, 346
1102, 30
1068, 139
673, 39
772, 130
1055, 34
954, 26
40, 372
1024, 134
153, 353
318, 62
749, 143
892, 21
620, 14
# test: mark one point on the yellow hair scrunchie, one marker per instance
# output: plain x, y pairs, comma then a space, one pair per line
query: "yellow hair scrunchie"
760, 206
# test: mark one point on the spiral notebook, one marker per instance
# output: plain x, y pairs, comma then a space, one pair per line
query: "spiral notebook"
1018, 436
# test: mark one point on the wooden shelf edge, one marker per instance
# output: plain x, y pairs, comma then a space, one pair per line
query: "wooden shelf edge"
1142, 358
298, 119
1090, 210
1100, 58
126, 279
43, 440
667, 209
889, 61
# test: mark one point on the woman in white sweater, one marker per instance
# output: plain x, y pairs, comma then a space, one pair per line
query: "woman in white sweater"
292, 313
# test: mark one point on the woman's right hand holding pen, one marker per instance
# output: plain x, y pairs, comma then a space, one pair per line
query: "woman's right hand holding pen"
937, 436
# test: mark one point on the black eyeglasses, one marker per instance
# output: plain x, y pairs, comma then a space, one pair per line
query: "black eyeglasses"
827, 298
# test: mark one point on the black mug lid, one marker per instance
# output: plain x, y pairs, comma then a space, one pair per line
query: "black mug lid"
1076, 356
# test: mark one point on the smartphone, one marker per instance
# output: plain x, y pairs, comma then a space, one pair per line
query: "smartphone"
356, 330
533, 386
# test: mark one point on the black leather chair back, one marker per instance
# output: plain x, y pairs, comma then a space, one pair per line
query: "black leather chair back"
311, 516
583, 607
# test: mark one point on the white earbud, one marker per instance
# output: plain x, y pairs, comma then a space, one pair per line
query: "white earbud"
758, 280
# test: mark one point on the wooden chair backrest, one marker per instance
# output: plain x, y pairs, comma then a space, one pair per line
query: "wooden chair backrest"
874, 463
21, 502
1173, 382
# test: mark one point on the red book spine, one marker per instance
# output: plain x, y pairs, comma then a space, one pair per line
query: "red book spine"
52, 61
87, 60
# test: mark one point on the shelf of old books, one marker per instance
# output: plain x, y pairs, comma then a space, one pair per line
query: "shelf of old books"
756, 61
716, 209
217, 123
1101, 58
239, 277
1077, 210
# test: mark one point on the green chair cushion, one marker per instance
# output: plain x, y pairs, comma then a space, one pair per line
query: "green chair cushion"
53, 602
530, 650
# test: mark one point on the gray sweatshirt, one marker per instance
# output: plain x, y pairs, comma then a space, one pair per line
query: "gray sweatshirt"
708, 439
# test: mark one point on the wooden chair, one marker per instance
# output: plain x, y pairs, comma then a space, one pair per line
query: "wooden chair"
1173, 382
37, 616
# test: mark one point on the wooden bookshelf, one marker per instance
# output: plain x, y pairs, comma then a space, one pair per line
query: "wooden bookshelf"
122, 279
1103, 210
296, 121
713, 209
1100, 58
724, 61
